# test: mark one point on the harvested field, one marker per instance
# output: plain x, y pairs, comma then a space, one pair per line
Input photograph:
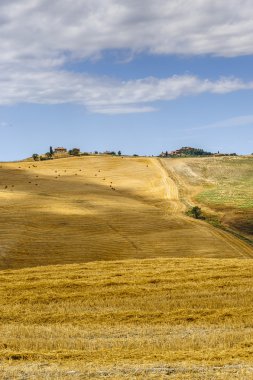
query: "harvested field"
182, 312
223, 186
77, 210
161, 319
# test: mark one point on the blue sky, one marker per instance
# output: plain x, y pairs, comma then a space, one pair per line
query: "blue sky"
114, 75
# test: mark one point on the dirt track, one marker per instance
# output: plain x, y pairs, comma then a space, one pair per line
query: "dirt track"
171, 191
243, 249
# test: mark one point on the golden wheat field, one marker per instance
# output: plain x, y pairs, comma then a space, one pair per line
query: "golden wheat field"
158, 319
104, 276
99, 208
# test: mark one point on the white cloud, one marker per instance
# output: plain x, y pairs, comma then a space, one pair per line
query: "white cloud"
121, 109
38, 37
48, 33
105, 95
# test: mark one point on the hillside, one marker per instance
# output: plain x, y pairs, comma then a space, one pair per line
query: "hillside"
76, 210
135, 319
223, 186
185, 312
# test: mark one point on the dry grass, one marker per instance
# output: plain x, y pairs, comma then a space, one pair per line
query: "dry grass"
223, 185
65, 211
167, 318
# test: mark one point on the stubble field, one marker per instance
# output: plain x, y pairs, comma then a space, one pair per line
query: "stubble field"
104, 276
160, 318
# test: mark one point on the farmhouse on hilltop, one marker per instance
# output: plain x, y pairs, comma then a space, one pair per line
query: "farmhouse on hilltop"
60, 150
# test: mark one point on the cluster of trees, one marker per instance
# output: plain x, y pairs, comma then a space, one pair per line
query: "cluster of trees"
114, 153
47, 156
188, 151
72, 152
195, 152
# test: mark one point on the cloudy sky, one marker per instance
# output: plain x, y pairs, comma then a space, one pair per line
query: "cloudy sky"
139, 76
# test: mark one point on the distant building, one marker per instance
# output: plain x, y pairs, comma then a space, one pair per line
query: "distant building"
60, 150
182, 151
164, 154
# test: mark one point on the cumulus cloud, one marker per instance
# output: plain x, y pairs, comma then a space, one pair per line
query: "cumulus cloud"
104, 95
49, 32
39, 37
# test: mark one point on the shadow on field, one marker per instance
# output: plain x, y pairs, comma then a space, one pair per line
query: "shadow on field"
67, 220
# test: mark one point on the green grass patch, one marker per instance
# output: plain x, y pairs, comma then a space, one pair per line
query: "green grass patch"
227, 193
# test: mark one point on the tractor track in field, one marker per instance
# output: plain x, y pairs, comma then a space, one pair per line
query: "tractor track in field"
177, 205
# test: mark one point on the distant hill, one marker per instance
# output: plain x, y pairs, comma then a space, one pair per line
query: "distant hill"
186, 151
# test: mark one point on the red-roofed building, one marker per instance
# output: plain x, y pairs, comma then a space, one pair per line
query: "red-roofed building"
60, 150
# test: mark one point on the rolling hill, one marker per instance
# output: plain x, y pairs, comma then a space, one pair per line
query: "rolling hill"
83, 209
79, 301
